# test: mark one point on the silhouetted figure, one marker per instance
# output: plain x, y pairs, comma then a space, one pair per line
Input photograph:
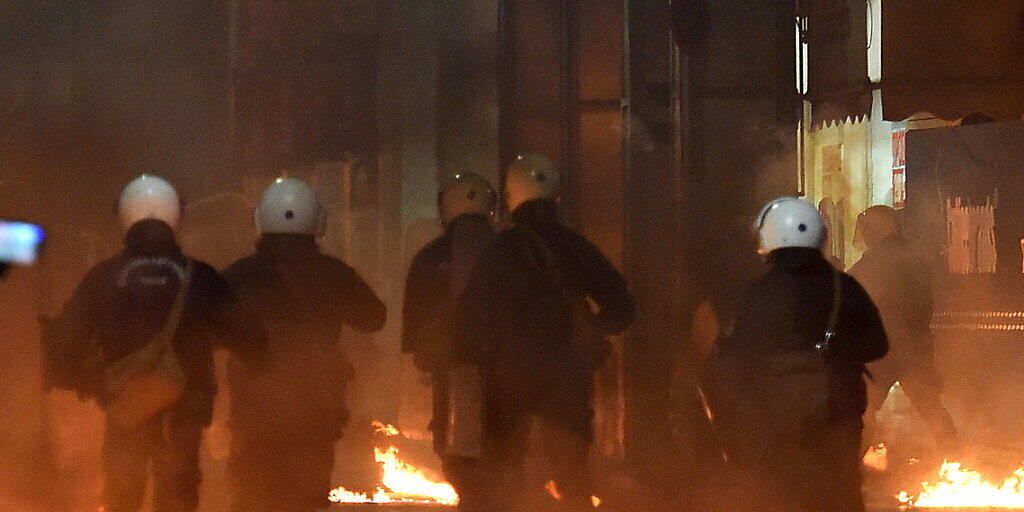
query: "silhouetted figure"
787, 383
136, 336
899, 282
526, 320
436, 279
288, 413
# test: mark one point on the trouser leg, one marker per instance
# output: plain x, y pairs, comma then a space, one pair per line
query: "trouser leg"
315, 483
280, 474
568, 454
502, 475
176, 471
468, 477
924, 388
817, 471
251, 486
126, 456
838, 471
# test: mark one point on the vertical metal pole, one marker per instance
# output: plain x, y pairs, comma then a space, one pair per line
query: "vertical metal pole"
234, 56
507, 145
802, 123
627, 193
675, 56
569, 92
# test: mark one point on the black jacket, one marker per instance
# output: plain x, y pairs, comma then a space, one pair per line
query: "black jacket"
303, 299
787, 310
516, 322
109, 312
436, 278
900, 285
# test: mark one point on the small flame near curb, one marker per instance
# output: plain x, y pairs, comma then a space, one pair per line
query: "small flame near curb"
401, 481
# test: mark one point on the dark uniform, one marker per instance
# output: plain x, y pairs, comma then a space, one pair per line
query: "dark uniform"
515, 321
899, 283
806, 467
436, 278
287, 415
119, 307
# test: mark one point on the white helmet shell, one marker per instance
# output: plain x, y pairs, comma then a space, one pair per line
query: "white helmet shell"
288, 206
149, 197
529, 177
789, 222
467, 193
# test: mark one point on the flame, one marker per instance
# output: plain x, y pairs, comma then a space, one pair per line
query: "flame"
877, 457
388, 430
958, 487
552, 489
401, 482
405, 480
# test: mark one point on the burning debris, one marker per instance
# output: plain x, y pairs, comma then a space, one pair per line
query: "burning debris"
400, 482
958, 487
877, 457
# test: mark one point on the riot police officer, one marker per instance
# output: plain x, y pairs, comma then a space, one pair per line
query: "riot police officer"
525, 318
287, 414
788, 382
899, 282
135, 336
436, 278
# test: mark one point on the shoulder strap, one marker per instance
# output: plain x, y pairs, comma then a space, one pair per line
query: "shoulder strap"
833, 316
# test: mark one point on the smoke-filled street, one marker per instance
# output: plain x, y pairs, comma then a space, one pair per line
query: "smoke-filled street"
511, 255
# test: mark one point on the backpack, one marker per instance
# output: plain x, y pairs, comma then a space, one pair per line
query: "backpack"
788, 393
150, 379
797, 387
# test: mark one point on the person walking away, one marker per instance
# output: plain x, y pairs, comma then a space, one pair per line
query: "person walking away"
788, 383
287, 414
899, 283
136, 336
436, 279
526, 320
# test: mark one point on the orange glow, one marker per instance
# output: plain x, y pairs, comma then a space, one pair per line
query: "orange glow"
877, 457
401, 482
388, 430
552, 489
958, 487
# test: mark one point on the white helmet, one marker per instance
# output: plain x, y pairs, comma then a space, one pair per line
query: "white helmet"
149, 197
466, 193
288, 206
529, 177
789, 222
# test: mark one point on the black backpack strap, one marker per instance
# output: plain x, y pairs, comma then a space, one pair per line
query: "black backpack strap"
833, 316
